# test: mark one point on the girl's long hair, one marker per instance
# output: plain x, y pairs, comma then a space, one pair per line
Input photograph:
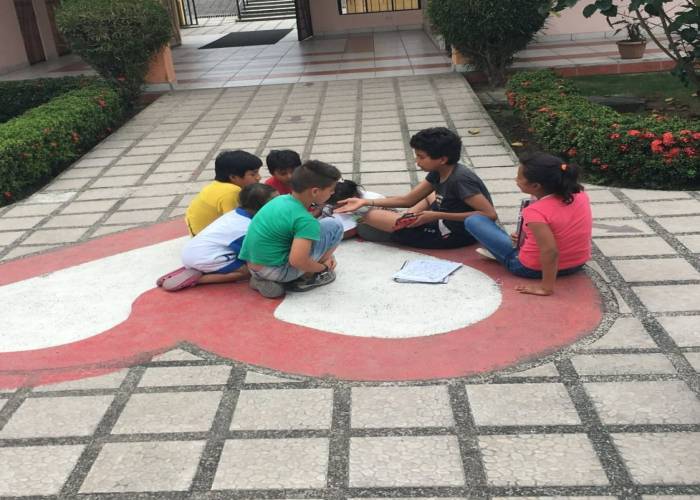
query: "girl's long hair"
554, 174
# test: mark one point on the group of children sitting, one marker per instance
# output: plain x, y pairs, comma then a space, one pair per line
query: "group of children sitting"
282, 234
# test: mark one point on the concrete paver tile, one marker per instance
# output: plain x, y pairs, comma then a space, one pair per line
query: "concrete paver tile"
14, 223
521, 404
110, 381
657, 402
93, 162
388, 189
57, 416
151, 202
50, 236
622, 247
622, 364
545, 370
684, 330
272, 464
104, 193
681, 224
376, 407
28, 210
164, 376
105, 230
610, 210
668, 298
168, 412
620, 227
252, 377
167, 177
135, 216
651, 194
144, 466
73, 220
116, 181
676, 460
26, 250
86, 207
656, 270
694, 360
405, 461
66, 184
626, 333
36, 470
692, 241
674, 207
384, 177
541, 460
283, 409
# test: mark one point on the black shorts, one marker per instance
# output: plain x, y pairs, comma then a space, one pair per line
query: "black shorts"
429, 236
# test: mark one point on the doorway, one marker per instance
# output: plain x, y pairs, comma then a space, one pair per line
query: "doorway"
30, 31
304, 27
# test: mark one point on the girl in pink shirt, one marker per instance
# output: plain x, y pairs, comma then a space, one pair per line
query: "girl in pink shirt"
557, 226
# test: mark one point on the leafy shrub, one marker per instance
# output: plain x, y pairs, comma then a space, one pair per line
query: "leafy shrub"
654, 151
18, 96
43, 141
488, 32
116, 37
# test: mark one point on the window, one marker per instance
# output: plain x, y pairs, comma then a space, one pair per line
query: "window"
369, 6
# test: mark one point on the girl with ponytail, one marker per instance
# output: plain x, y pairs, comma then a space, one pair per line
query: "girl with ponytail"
557, 226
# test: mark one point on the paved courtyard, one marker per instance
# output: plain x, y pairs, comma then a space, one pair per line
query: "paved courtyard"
614, 415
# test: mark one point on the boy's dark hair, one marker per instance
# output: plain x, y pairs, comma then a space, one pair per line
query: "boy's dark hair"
236, 163
438, 142
344, 189
254, 196
553, 174
314, 174
281, 159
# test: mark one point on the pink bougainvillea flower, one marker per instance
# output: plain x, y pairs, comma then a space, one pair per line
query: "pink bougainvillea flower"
690, 152
667, 138
633, 133
648, 135
615, 136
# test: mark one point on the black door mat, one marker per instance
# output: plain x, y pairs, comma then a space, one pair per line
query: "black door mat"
245, 38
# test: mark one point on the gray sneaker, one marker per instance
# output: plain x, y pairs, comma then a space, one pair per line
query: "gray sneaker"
266, 288
304, 285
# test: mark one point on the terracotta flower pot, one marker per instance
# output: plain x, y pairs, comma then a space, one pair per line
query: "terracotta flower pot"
161, 69
631, 50
459, 59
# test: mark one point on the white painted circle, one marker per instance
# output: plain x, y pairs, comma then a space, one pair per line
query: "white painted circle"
364, 301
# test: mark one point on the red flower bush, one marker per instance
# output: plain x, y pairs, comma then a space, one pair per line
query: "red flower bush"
612, 148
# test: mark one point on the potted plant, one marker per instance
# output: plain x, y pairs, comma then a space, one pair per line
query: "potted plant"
634, 45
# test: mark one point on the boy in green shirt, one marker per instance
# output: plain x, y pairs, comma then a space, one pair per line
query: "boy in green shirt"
286, 247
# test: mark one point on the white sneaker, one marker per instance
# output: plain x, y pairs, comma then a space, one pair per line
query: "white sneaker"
485, 253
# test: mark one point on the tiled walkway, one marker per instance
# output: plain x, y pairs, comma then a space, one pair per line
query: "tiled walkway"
382, 54
618, 417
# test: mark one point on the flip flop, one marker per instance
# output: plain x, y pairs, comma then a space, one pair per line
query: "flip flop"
184, 279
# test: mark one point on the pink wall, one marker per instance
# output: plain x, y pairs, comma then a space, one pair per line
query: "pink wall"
12, 52
572, 21
326, 19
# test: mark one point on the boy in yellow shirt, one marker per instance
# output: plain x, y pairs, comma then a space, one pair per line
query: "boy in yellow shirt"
233, 171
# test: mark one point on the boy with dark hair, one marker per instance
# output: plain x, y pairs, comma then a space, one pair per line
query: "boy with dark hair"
212, 255
286, 247
440, 203
233, 171
281, 164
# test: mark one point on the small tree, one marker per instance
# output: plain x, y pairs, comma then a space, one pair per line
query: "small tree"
673, 26
116, 37
488, 32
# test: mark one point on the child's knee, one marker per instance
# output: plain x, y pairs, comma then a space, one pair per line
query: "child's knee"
334, 228
472, 223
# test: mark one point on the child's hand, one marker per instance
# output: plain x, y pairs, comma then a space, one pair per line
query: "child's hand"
350, 205
425, 217
534, 290
514, 239
330, 263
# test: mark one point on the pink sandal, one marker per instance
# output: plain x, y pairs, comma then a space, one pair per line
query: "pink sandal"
159, 281
185, 278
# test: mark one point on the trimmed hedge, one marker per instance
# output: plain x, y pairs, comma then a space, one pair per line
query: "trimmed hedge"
16, 97
653, 152
45, 140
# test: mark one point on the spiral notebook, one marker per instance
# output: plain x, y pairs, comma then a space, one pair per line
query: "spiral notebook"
426, 271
